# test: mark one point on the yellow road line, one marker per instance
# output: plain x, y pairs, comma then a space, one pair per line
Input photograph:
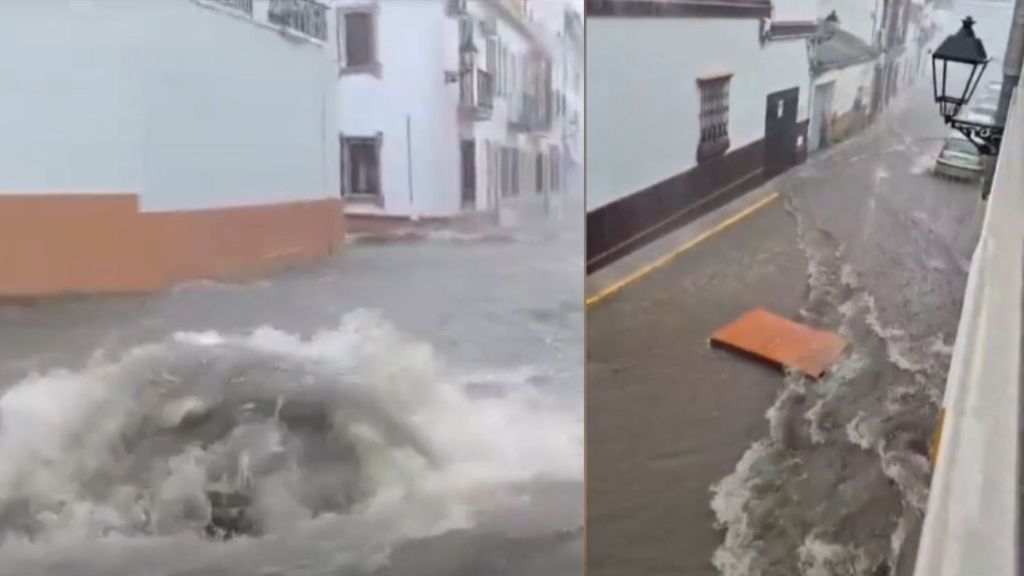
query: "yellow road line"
620, 284
933, 450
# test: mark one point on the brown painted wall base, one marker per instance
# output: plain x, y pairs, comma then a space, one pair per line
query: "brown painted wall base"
97, 243
618, 228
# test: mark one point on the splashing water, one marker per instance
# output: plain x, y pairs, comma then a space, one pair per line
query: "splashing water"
264, 452
843, 472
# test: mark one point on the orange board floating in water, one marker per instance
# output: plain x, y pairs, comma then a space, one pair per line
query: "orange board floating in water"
781, 342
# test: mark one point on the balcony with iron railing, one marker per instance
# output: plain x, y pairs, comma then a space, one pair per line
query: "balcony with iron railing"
306, 19
476, 94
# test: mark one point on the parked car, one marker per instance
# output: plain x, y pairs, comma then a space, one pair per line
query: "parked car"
958, 158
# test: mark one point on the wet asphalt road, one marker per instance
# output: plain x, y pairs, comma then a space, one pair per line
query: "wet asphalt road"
668, 417
506, 302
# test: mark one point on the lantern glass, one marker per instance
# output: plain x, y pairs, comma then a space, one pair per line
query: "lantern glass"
957, 67
954, 83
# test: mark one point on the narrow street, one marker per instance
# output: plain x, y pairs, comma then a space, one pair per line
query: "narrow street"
452, 374
702, 462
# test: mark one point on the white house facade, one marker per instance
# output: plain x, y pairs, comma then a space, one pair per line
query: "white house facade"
689, 104
864, 54
144, 143
464, 122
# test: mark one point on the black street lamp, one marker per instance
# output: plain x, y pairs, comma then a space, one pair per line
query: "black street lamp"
957, 67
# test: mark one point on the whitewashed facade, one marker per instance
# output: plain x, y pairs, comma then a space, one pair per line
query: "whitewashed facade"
192, 104
644, 102
687, 104
449, 107
145, 143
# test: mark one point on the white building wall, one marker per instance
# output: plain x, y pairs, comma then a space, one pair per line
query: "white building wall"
492, 133
411, 88
848, 82
643, 100
186, 105
417, 42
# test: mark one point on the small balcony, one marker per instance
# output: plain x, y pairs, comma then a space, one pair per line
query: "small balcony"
530, 115
476, 94
308, 17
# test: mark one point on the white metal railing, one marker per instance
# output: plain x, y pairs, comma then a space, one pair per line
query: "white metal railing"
971, 526
306, 16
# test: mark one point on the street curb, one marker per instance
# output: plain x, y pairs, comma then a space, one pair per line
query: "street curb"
610, 279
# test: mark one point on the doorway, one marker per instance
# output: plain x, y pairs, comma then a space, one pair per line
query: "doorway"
821, 111
468, 174
780, 131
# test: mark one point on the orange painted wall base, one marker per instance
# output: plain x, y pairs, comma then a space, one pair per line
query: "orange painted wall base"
100, 243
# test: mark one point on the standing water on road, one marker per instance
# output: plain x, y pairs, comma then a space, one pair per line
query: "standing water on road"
841, 481
444, 437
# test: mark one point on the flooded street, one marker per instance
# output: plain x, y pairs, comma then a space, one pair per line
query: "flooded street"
843, 468
706, 463
409, 407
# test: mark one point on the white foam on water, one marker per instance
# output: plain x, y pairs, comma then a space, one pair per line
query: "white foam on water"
737, 555
64, 431
826, 388
939, 346
813, 417
821, 558
922, 164
795, 386
858, 431
899, 349
910, 472
899, 536
848, 275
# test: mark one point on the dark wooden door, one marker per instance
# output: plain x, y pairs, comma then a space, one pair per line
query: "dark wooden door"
780, 130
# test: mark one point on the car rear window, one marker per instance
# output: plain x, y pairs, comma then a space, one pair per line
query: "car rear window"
961, 146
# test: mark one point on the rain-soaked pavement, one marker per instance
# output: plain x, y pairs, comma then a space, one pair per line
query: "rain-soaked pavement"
406, 408
701, 462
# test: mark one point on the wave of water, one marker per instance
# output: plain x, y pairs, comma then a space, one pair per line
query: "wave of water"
843, 473
265, 453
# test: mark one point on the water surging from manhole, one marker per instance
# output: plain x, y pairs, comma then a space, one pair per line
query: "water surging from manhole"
333, 448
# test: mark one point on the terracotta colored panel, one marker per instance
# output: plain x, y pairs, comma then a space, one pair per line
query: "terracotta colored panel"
781, 342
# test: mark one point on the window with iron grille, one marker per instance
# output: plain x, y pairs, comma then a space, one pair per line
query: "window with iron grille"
306, 16
360, 164
714, 116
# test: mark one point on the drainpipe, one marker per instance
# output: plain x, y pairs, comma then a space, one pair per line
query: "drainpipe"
1012, 62
408, 162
